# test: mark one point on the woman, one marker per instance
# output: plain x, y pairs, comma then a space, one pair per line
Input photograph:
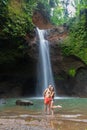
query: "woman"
52, 106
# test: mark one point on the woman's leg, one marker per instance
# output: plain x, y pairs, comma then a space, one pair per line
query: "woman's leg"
45, 108
51, 107
48, 109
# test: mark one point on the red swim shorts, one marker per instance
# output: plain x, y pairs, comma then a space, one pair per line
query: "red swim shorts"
47, 100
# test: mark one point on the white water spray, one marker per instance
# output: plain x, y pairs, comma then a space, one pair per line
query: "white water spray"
45, 76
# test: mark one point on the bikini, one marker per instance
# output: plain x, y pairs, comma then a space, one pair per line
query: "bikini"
47, 100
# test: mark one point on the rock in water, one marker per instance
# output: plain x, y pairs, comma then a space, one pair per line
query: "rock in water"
24, 102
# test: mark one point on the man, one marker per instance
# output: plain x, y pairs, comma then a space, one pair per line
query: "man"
47, 99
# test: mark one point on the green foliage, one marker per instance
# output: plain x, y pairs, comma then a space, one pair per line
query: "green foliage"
58, 17
44, 9
60, 13
76, 42
11, 50
15, 22
60, 10
29, 6
3, 12
18, 18
79, 5
72, 72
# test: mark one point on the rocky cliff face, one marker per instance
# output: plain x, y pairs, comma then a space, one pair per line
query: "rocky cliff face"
40, 21
65, 83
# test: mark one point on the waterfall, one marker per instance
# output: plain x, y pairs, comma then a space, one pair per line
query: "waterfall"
45, 76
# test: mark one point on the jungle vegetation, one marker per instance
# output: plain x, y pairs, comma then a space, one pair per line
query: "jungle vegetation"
16, 22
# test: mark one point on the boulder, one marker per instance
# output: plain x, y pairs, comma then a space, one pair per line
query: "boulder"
24, 102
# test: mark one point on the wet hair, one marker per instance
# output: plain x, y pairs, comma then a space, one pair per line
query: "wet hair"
49, 86
52, 88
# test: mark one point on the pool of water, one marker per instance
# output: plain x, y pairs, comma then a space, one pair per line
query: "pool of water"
72, 116
69, 106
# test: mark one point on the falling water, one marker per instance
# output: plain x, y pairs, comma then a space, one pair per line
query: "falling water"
45, 76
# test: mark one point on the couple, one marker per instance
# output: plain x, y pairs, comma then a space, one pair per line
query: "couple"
49, 94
